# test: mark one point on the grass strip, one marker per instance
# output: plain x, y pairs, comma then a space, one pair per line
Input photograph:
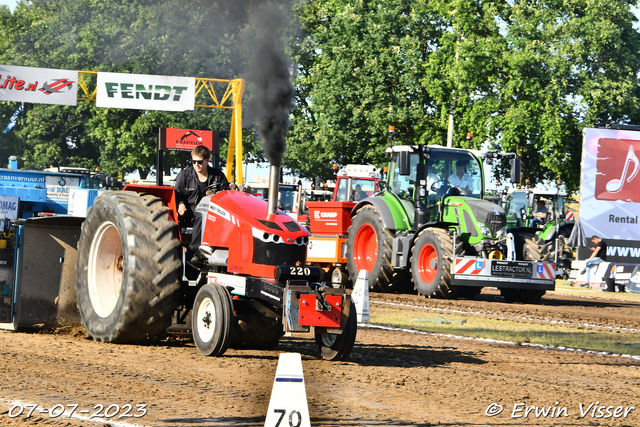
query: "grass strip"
507, 330
563, 288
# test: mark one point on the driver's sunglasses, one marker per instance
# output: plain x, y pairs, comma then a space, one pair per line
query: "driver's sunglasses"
197, 161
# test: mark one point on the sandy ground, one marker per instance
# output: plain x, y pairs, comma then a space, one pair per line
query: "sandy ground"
391, 378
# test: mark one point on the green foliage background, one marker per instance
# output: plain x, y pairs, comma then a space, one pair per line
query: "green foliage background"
523, 76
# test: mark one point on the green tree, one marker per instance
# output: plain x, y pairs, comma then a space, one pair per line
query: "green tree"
523, 76
360, 68
194, 38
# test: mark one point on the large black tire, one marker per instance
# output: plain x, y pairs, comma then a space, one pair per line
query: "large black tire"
520, 240
531, 252
256, 331
338, 347
431, 258
369, 247
127, 268
565, 257
212, 320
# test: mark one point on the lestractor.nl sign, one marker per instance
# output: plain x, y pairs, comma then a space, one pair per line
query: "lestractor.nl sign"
38, 85
145, 92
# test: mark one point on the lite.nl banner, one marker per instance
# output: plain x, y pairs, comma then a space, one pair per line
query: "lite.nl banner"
38, 85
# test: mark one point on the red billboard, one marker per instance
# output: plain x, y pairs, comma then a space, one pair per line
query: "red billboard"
187, 139
617, 168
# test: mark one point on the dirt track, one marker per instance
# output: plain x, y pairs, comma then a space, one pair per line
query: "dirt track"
391, 378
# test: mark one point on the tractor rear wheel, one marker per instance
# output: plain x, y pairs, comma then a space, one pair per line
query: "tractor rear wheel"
255, 330
127, 268
336, 347
431, 264
369, 248
212, 320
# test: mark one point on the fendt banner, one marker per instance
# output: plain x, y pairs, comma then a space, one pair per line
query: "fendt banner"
145, 92
38, 85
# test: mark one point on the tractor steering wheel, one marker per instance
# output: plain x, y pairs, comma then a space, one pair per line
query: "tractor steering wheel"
440, 187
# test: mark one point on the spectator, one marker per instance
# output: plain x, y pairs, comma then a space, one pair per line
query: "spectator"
598, 255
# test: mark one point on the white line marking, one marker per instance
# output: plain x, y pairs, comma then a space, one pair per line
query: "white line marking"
491, 340
502, 316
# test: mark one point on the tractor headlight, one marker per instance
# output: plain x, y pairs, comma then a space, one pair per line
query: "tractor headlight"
502, 233
486, 231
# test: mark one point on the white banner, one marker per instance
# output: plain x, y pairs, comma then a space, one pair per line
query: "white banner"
610, 184
145, 92
8, 207
38, 85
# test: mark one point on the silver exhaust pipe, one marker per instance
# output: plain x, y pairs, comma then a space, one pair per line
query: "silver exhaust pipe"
274, 192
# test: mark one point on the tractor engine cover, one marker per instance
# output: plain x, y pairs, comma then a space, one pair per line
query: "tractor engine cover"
257, 241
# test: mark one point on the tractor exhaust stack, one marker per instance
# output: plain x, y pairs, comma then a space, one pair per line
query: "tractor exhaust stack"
274, 186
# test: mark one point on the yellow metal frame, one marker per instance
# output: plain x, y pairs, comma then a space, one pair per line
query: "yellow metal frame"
232, 95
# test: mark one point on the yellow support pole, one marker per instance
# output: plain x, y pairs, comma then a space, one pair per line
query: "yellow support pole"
235, 136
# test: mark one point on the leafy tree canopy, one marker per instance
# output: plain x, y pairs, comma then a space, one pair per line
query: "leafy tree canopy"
523, 76
196, 38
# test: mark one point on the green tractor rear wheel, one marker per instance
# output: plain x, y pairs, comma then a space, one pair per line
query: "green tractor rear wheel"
369, 248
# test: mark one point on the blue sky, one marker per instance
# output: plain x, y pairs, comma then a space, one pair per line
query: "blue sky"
10, 3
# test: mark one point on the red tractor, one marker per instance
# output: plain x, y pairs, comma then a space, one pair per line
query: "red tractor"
255, 287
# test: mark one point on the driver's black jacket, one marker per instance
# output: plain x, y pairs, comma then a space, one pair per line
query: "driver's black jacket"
187, 189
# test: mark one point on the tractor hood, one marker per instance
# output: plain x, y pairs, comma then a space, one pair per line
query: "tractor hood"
477, 219
256, 240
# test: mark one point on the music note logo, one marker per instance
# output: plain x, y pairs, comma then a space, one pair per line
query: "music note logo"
615, 185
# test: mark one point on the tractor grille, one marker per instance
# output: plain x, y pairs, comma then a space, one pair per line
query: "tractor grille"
269, 253
490, 214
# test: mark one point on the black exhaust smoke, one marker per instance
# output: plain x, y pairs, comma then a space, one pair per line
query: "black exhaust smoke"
269, 76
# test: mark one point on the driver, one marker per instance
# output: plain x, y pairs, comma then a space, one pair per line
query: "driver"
461, 179
541, 212
191, 186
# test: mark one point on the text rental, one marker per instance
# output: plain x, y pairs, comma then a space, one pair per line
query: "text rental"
623, 219
159, 92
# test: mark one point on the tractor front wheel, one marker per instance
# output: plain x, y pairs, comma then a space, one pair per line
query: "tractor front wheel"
337, 347
431, 264
340, 278
212, 320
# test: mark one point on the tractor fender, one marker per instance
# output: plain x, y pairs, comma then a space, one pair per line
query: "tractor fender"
548, 233
445, 225
404, 241
382, 208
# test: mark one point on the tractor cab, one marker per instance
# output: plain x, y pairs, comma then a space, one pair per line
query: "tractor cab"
448, 172
534, 208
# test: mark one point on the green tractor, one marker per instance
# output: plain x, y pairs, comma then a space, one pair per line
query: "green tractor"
543, 213
431, 226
